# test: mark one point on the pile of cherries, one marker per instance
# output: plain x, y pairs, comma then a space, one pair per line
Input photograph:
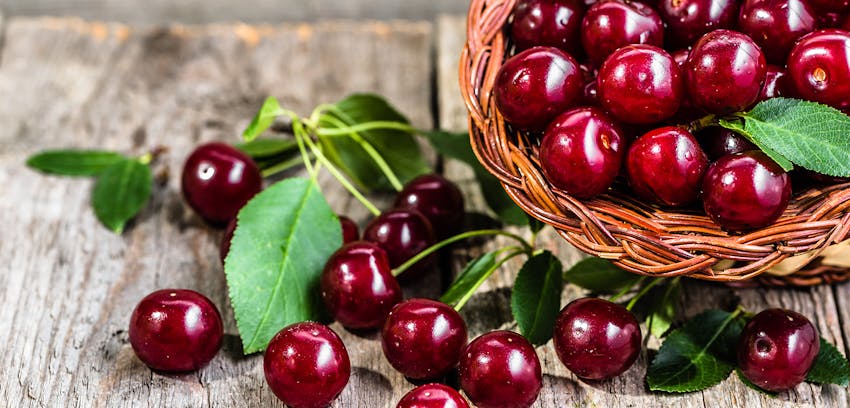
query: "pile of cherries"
608, 82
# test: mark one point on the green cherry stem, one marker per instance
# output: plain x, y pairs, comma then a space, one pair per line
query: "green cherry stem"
627, 289
367, 126
284, 166
643, 291
514, 251
526, 247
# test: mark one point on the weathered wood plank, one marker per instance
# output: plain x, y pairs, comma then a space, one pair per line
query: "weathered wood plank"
68, 285
826, 306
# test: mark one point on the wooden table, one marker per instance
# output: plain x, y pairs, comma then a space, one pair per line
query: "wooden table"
67, 285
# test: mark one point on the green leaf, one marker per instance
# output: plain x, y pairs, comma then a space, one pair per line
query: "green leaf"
263, 120
536, 296
475, 272
397, 147
121, 190
73, 162
534, 224
456, 146
283, 238
662, 308
750, 384
698, 355
265, 148
600, 276
811, 135
830, 367
738, 127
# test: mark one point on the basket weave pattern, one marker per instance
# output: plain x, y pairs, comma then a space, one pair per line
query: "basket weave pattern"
638, 237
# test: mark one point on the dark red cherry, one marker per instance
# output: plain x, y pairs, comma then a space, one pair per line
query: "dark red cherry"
640, 84
775, 25
423, 338
777, 349
350, 232
724, 72
218, 180
536, 85
819, 68
845, 23
553, 23
432, 396
438, 199
666, 166
611, 24
224, 246
596, 339
688, 20
775, 83
358, 287
830, 6
403, 234
582, 152
306, 365
745, 191
500, 369
176, 330
717, 142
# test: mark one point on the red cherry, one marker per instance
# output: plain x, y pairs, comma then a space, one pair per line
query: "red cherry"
438, 199
611, 24
819, 68
547, 23
666, 166
775, 25
688, 20
350, 232
432, 396
403, 234
501, 369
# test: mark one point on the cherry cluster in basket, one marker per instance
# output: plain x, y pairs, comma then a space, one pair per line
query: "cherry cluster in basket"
607, 84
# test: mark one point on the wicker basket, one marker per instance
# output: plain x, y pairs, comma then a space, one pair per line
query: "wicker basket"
801, 248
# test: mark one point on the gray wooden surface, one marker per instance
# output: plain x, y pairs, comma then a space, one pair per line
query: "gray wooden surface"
67, 286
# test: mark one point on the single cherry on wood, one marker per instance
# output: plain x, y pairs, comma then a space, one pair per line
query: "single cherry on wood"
819, 68
306, 365
358, 287
547, 23
500, 369
438, 199
176, 330
218, 180
777, 349
612, 24
403, 233
432, 396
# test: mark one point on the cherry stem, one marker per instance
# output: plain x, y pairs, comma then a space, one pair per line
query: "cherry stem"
527, 248
625, 290
643, 291
702, 123
468, 295
367, 126
284, 166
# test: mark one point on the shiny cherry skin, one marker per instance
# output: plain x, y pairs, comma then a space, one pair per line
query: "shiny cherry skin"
423, 338
176, 330
224, 246
536, 85
640, 84
358, 287
688, 20
402, 233
306, 365
582, 152
552, 23
775, 25
775, 83
717, 142
830, 6
438, 199
611, 24
218, 180
666, 166
350, 232
819, 68
596, 339
724, 72
432, 396
745, 191
777, 349
500, 369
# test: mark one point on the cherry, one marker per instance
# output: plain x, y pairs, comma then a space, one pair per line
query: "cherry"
724, 72
775, 25
718, 142
224, 246
777, 349
596, 339
611, 24
423, 338
218, 180
358, 287
402, 234
582, 151
350, 232
536, 85
553, 23
306, 365
819, 66
432, 396
688, 20
500, 369
438, 199
745, 191
640, 84
176, 330
666, 166
775, 83
831, 6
